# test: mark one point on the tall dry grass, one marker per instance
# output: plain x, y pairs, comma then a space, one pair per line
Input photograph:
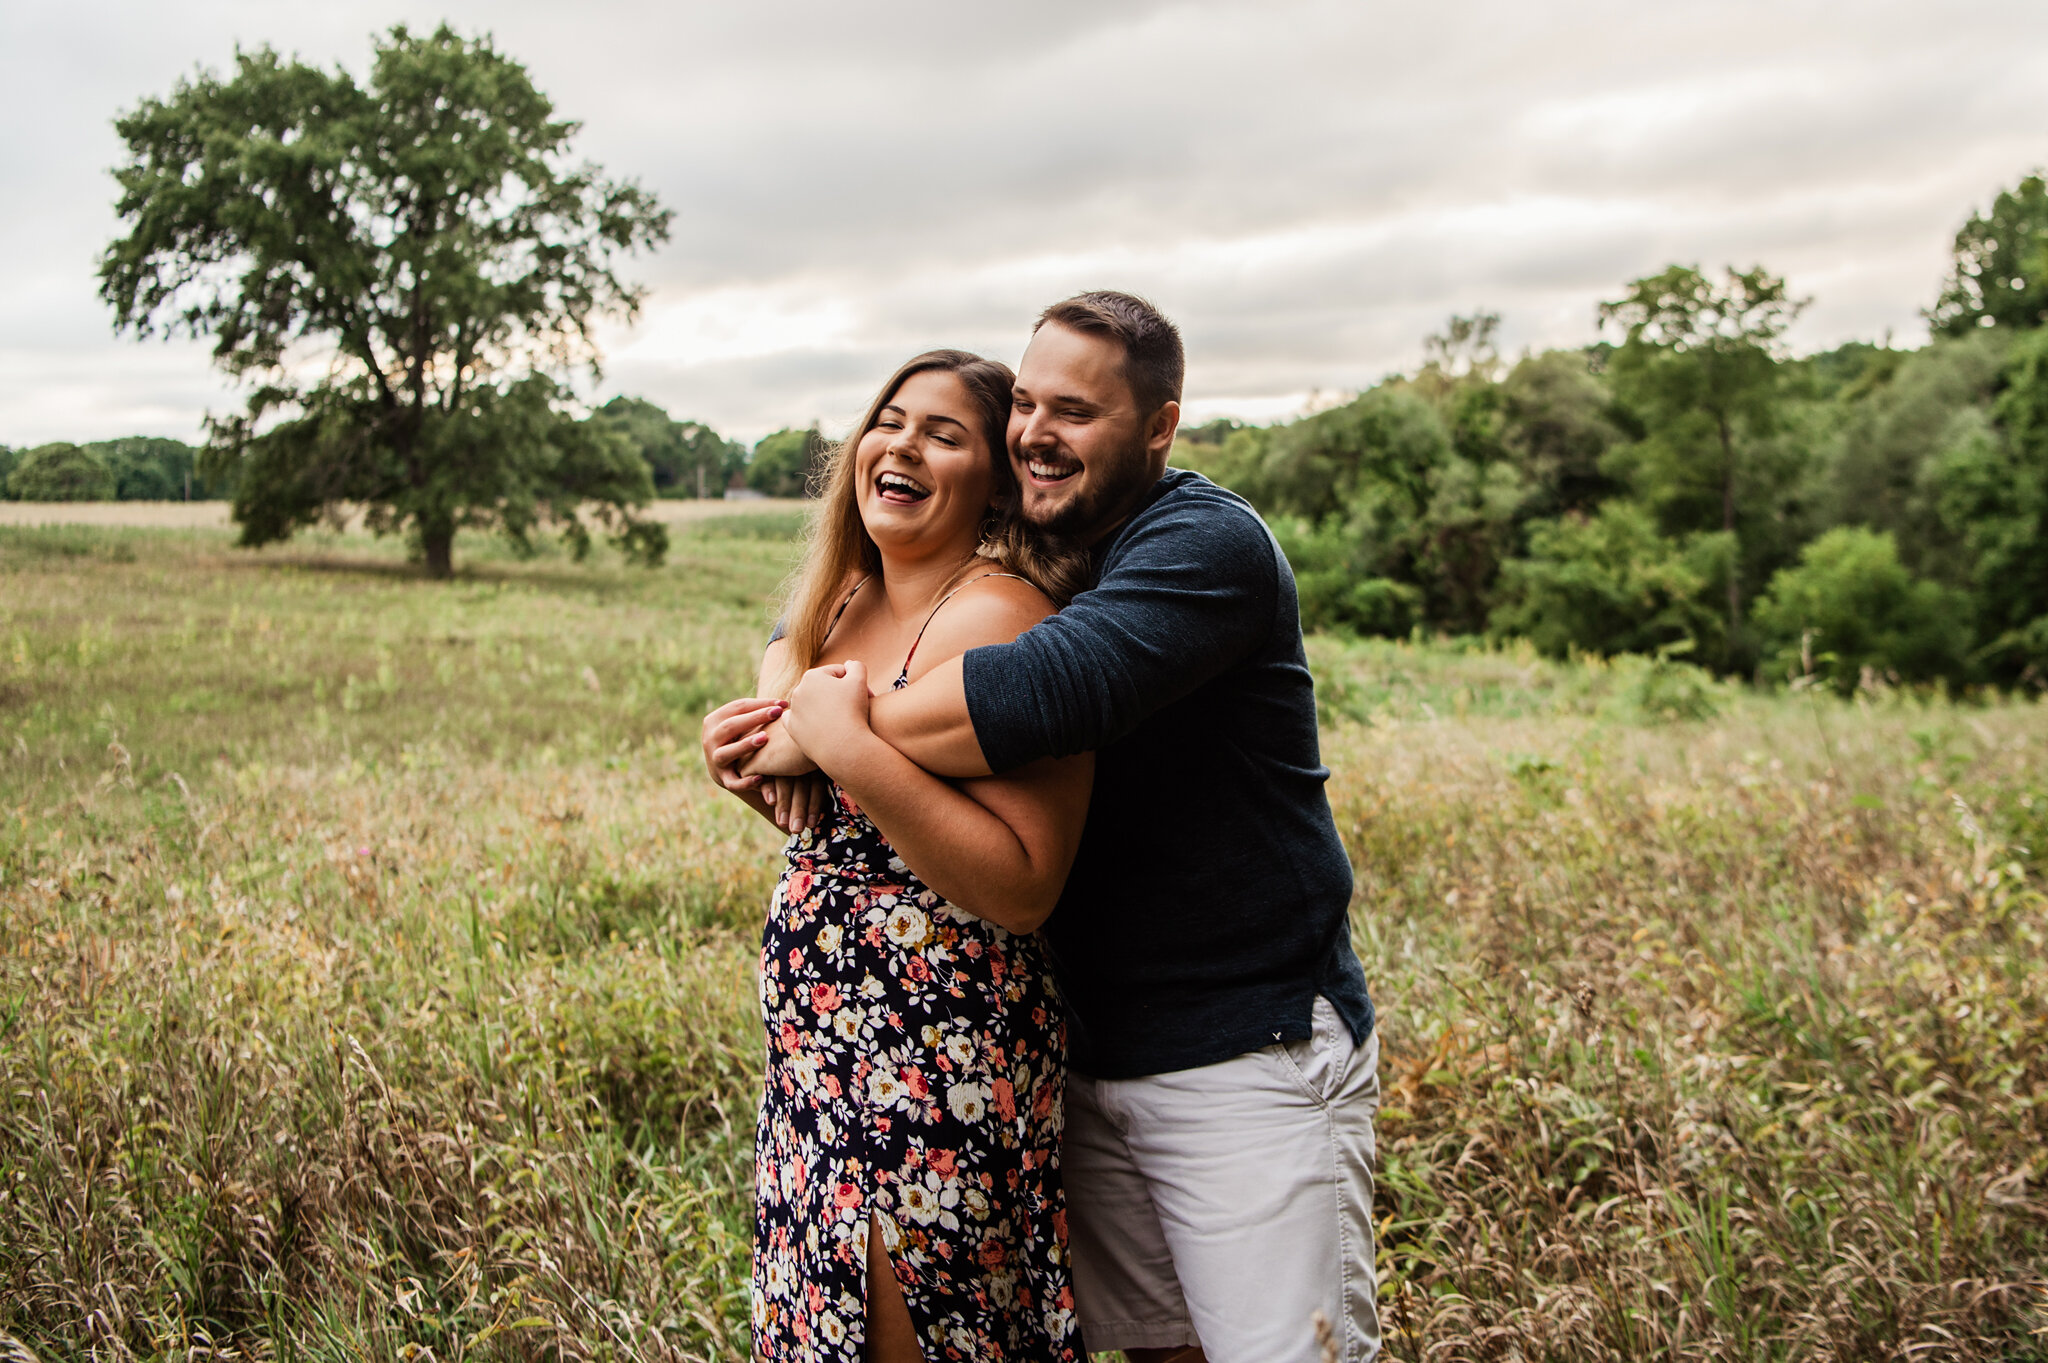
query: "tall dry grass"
376, 977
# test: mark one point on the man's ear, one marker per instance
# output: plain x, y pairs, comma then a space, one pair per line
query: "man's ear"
1159, 431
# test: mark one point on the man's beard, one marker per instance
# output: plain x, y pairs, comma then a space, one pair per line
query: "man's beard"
1085, 517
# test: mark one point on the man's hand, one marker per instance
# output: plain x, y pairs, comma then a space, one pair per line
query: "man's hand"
828, 711
732, 733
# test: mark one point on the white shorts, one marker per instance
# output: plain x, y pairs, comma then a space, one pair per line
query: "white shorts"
1226, 1205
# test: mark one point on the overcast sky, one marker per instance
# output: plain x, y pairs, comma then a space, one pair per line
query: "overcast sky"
1308, 188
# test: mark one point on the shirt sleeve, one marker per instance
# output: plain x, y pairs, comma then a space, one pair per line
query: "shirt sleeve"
1187, 594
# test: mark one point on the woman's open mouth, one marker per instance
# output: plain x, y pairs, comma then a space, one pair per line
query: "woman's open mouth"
902, 491
1051, 468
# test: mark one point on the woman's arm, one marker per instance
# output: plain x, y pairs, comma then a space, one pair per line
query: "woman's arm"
999, 847
744, 728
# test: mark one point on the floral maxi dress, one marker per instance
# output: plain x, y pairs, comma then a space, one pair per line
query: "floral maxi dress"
916, 1056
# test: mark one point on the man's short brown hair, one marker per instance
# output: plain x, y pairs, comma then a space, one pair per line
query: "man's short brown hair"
1154, 362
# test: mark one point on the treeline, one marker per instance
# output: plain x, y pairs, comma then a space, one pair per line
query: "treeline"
684, 459
1685, 487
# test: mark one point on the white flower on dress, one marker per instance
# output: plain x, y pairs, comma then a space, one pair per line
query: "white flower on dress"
872, 988
846, 1022
885, 1089
976, 1203
908, 927
828, 938
968, 1102
960, 1049
832, 1328
930, 1201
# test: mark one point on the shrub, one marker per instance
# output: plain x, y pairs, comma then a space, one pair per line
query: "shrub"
61, 473
1863, 609
1610, 583
1335, 592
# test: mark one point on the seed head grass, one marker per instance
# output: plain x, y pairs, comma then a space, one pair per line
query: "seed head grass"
377, 976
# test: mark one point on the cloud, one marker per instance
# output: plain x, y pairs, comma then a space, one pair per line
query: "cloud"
1308, 186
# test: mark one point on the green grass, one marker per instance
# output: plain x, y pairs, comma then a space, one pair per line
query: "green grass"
376, 975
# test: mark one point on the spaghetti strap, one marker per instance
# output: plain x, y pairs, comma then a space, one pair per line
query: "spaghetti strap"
842, 609
903, 676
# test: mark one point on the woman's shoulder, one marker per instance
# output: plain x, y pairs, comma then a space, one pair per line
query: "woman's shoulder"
993, 608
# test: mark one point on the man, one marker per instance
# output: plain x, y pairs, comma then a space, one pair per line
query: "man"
1224, 1063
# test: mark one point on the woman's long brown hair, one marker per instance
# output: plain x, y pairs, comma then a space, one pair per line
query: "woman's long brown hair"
838, 550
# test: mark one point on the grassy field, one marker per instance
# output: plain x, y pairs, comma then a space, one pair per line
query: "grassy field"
376, 975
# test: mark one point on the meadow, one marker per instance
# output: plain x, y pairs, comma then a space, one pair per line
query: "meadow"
376, 974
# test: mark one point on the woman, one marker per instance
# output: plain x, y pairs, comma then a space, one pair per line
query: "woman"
908, 1194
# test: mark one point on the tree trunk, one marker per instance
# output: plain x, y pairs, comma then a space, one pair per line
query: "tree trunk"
437, 540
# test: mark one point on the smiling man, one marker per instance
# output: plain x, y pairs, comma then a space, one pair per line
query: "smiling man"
1225, 1066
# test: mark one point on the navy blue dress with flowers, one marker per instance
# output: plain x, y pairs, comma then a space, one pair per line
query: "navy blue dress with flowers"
916, 1061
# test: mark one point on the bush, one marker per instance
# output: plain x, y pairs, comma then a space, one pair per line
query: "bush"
1863, 609
1610, 583
61, 473
1335, 594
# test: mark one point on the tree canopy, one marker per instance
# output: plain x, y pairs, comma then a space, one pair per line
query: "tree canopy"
61, 472
2000, 275
1886, 510
406, 271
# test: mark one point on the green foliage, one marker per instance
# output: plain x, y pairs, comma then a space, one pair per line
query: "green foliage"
61, 473
686, 458
427, 227
1558, 424
8, 459
1699, 363
1991, 486
1333, 593
1850, 609
1611, 583
2000, 276
1911, 419
787, 462
152, 469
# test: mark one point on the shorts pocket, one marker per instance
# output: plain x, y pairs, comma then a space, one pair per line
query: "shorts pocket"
1317, 1063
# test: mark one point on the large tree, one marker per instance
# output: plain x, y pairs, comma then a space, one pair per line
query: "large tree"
2000, 276
406, 271
1699, 363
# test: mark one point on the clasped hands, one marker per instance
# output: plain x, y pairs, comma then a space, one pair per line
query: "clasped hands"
775, 748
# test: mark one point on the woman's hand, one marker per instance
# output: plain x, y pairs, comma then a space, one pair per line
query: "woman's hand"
796, 802
732, 733
828, 712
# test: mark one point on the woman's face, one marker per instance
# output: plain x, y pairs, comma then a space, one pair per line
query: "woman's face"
922, 475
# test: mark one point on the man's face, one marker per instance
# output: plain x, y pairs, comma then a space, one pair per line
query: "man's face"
1084, 457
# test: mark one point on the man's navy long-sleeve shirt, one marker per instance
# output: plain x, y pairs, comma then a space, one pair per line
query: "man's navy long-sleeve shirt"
1207, 906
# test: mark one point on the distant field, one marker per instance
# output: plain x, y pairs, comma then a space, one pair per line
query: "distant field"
376, 974
214, 515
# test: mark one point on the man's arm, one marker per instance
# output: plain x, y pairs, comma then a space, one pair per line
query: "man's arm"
1189, 593
927, 722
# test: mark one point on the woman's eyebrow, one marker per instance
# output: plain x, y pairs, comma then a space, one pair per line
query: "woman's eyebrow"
949, 420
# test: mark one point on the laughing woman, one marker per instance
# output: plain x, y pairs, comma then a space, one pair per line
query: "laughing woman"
907, 1155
